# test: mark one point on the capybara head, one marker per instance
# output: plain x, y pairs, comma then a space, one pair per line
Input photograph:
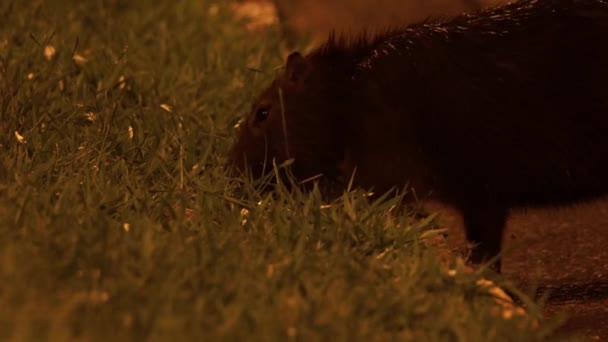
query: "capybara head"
297, 117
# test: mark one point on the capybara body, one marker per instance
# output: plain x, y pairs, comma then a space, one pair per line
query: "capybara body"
501, 109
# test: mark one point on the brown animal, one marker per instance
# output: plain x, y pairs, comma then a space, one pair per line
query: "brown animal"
502, 109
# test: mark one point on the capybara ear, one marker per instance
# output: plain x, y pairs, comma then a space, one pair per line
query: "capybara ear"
297, 68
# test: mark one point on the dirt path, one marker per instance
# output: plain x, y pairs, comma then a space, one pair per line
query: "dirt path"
566, 252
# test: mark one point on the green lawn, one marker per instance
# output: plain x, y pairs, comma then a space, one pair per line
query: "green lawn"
117, 221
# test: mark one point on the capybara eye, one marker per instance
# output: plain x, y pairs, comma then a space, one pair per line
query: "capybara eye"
261, 114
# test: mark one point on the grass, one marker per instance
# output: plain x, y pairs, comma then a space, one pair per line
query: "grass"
117, 221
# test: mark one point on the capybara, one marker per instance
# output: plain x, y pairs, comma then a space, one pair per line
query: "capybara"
503, 108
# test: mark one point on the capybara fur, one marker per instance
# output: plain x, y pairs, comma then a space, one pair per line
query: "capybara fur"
486, 112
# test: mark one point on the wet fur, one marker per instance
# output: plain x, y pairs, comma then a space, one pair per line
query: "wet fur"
505, 108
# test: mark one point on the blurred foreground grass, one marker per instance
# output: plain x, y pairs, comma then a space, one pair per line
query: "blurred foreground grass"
118, 222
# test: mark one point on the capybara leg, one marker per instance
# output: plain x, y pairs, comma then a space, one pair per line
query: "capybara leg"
484, 228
